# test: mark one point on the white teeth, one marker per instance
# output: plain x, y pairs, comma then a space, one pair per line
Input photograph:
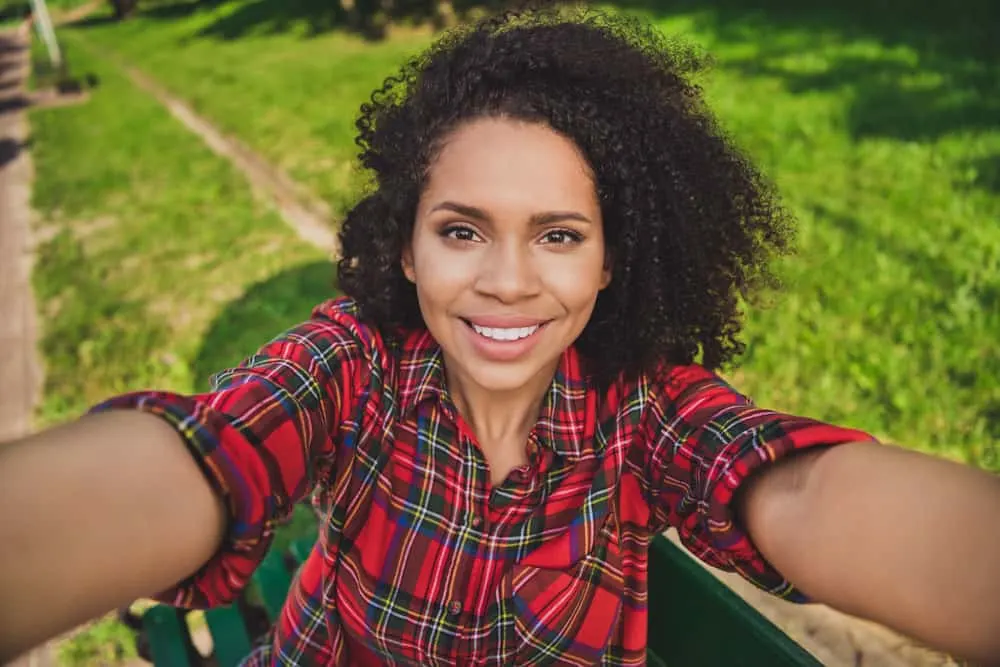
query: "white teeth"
496, 333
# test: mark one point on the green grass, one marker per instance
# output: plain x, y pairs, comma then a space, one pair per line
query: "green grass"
156, 266
303, 90
878, 124
152, 243
104, 642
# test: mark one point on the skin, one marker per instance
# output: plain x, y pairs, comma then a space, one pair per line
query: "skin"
898, 537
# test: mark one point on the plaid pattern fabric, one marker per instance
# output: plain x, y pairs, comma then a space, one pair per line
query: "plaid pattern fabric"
420, 560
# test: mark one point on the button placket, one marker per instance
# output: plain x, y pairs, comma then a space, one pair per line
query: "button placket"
474, 519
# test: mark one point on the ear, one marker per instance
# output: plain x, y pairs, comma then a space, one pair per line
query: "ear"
606, 272
406, 261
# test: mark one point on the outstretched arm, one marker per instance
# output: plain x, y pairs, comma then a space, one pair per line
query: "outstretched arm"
160, 494
95, 514
894, 536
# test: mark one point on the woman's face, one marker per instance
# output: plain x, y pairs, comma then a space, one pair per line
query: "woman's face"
507, 253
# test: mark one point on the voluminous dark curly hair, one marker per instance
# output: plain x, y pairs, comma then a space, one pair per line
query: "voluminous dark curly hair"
690, 224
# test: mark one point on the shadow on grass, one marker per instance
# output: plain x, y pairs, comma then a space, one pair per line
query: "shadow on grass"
312, 17
254, 16
10, 149
94, 20
953, 87
266, 310
986, 173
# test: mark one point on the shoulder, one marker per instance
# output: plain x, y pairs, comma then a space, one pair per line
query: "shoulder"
673, 401
344, 313
341, 321
682, 385
677, 387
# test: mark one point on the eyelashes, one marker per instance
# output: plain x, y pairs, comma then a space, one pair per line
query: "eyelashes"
466, 234
459, 233
565, 236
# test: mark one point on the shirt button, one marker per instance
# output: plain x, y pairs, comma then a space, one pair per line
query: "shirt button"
477, 521
454, 607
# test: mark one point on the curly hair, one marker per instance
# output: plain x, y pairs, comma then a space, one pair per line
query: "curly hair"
691, 225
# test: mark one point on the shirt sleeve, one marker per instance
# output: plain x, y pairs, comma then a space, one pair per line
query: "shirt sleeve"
702, 440
263, 437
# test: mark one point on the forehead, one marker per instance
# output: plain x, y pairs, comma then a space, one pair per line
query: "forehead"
506, 161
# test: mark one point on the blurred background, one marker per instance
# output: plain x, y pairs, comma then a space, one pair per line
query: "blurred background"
157, 263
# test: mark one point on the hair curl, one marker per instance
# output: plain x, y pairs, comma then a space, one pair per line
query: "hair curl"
690, 224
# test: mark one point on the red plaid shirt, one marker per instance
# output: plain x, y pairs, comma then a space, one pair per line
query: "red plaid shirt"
420, 560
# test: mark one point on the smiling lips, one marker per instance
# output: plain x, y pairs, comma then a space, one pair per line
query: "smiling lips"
503, 339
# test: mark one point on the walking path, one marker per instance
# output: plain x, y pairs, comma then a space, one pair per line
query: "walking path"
20, 371
19, 368
308, 216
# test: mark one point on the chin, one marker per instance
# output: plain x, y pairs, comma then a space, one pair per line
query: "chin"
495, 377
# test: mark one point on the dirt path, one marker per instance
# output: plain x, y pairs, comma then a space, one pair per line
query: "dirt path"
20, 370
307, 215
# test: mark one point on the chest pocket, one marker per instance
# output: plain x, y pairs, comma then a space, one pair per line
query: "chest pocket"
562, 604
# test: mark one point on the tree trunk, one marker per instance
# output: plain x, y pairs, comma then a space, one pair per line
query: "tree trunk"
123, 8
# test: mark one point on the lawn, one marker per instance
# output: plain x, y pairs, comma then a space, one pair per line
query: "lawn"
879, 125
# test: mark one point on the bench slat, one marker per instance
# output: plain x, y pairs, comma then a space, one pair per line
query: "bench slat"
169, 639
230, 640
273, 581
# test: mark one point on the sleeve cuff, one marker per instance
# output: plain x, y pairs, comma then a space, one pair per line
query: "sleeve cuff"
714, 535
234, 469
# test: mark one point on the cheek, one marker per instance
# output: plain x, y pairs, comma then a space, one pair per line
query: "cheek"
441, 276
442, 271
576, 282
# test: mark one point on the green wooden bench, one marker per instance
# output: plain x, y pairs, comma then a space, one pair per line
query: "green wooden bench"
693, 619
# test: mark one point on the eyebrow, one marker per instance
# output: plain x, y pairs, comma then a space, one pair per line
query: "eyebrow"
543, 218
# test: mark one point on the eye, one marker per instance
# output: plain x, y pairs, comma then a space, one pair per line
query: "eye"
562, 237
460, 233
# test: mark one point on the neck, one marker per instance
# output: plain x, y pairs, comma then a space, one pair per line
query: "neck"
499, 416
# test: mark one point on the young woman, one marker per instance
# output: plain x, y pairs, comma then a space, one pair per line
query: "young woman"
515, 396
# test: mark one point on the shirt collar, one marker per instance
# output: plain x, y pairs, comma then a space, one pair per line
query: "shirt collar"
567, 419
421, 370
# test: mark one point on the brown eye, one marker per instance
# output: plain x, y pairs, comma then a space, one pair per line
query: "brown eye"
562, 237
459, 233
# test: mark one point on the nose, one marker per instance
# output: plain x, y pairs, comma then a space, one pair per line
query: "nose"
508, 272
